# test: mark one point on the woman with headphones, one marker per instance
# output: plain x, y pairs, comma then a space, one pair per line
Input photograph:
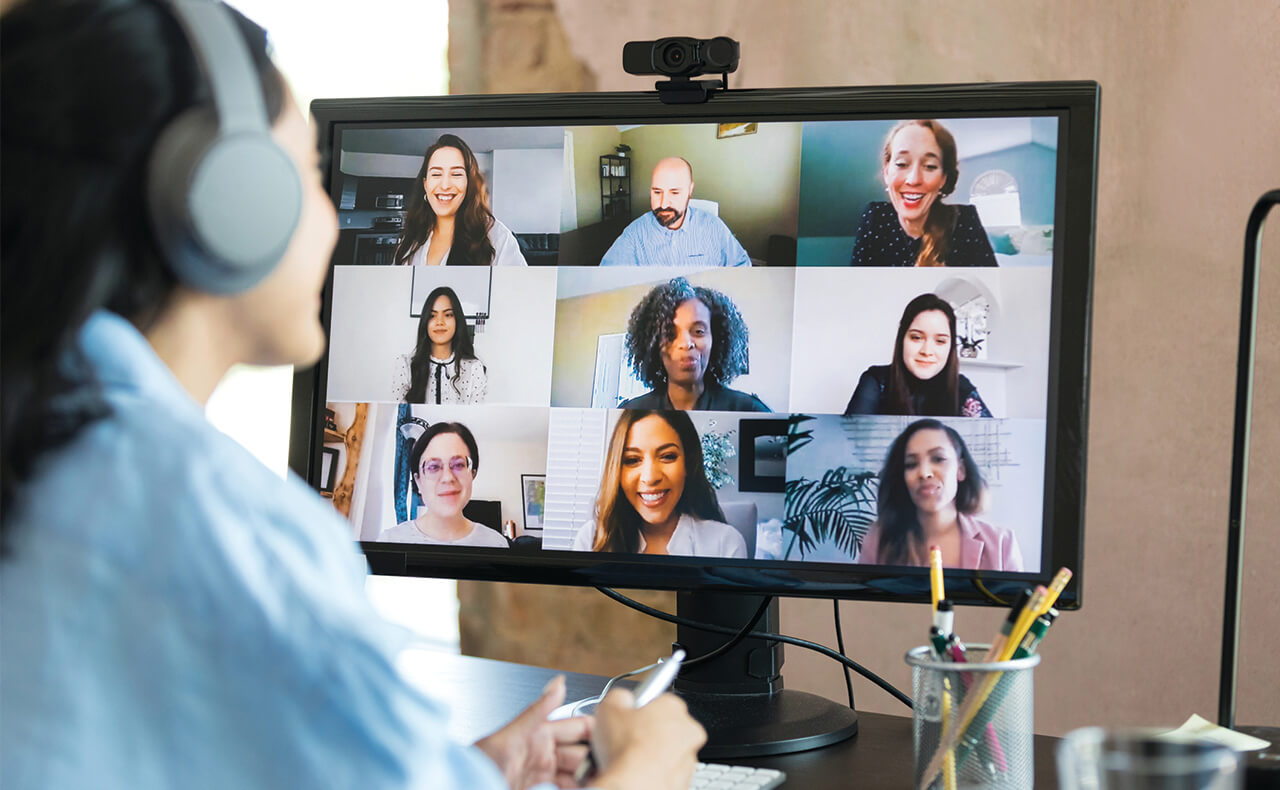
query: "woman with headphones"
174, 613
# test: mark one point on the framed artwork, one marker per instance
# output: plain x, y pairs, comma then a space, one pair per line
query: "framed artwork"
762, 455
533, 491
724, 130
328, 469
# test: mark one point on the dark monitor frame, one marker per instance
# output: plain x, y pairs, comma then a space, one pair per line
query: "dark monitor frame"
1076, 106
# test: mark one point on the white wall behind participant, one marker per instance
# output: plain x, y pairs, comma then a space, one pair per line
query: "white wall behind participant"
847, 321
526, 188
372, 326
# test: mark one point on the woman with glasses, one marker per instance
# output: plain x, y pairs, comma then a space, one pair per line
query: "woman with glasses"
445, 461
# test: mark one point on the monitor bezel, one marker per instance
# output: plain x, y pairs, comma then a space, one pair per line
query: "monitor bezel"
1075, 103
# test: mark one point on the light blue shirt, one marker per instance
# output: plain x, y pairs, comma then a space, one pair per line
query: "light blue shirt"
702, 240
176, 615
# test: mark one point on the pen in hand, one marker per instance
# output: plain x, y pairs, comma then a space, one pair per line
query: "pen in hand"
654, 685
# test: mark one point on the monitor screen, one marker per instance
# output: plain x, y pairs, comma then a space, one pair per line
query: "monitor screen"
781, 342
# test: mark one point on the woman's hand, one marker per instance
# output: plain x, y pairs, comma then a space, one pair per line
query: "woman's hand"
531, 749
650, 748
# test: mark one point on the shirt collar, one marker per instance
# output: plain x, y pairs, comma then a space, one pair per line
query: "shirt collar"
689, 213
122, 359
681, 537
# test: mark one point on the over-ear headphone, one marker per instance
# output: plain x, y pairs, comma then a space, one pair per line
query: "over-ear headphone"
224, 199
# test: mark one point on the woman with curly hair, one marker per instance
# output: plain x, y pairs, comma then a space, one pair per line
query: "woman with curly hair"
443, 367
449, 222
687, 342
654, 495
931, 492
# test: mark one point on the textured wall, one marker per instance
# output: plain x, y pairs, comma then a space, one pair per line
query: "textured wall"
1189, 129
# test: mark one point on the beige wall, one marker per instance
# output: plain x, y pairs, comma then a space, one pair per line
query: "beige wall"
589, 144
1189, 125
755, 178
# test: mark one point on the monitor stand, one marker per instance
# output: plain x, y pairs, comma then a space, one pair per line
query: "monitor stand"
738, 697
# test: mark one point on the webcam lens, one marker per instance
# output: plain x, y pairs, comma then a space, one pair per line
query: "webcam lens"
673, 56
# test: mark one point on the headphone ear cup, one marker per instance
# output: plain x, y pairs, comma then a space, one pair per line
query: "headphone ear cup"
223, 208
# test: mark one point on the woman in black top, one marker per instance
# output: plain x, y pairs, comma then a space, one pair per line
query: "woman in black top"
915, 228
923, 376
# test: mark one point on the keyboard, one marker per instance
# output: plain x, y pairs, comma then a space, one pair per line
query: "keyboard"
714, 776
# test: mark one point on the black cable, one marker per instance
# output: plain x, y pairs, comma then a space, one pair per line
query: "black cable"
738, 637
848, 679
787, 640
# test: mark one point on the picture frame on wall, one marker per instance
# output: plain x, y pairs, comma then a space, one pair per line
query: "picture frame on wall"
724, 130
533, 496
328, 469
762, 455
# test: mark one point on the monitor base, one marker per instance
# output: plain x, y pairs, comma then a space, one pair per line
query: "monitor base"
757, 725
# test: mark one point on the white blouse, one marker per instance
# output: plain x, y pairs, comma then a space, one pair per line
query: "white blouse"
506, 250
472, 382
408, 532
694, 537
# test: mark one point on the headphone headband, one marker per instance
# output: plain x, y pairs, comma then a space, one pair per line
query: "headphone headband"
232, 79
224, 198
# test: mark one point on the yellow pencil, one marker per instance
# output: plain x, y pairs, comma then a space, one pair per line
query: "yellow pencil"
1056, 587
936, 592
949, 764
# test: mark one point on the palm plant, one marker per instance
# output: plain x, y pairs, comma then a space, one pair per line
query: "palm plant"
838, 508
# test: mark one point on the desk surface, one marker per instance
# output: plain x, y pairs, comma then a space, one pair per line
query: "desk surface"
484, 695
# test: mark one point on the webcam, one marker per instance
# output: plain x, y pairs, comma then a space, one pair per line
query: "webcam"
681, 58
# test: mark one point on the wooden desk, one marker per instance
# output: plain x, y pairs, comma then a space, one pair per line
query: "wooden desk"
485, 694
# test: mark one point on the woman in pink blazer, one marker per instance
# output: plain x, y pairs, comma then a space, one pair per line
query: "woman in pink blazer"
931, 491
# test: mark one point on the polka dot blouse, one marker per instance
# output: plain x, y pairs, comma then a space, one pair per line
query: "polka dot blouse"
881, 241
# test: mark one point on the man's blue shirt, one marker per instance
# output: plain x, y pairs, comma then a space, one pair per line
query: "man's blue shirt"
702, 240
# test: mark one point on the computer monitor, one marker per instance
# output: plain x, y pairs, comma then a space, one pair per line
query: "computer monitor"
876, 301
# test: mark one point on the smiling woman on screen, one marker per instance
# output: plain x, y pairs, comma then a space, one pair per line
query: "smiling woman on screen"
923, 375
654, 496
448, 221
915, 228
443, 367
445, 461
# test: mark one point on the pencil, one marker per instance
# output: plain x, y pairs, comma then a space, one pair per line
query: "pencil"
936, 591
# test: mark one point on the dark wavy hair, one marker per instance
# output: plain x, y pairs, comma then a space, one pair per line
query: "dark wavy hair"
68, 119
618, 525
941, 393
652, 326
942, 217
899, 523
462, 345
434, 430
471, 245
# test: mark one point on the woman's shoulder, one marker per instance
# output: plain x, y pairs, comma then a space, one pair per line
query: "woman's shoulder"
878, 373
482, 535
584, 539
404, 532
725, 540
879, 209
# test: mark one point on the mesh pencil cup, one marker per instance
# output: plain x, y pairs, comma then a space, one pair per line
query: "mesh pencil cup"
984, 710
